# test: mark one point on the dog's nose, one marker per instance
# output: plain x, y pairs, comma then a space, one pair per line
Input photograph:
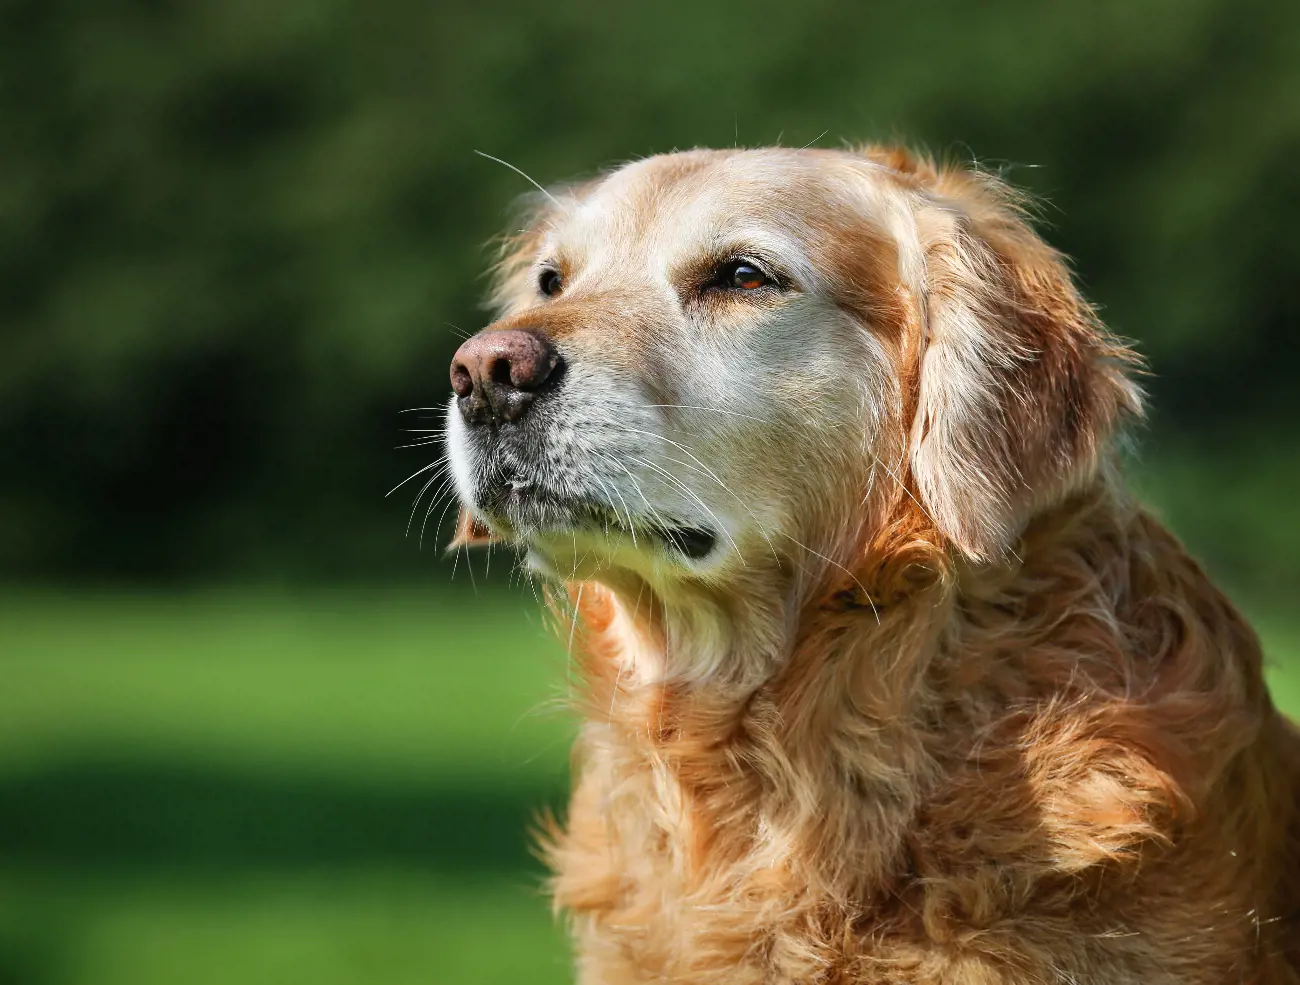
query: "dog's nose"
497, 374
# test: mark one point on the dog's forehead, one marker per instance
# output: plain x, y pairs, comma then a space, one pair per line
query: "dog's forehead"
703, 196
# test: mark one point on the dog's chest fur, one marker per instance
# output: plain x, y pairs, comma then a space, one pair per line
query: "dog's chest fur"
1060, 805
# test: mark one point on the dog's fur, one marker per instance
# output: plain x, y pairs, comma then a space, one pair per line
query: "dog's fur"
944, 704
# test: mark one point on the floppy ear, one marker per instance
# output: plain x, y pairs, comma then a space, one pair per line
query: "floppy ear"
470, 532
1020, 385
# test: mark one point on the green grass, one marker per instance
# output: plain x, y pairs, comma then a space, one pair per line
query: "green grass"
333, 788
264, 788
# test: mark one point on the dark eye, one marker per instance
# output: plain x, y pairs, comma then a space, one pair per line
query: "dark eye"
741, 275
549, 282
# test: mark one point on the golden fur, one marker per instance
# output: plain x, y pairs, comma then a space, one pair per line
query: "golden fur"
977, 717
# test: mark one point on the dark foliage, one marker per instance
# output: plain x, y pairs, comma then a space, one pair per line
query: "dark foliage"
236, 235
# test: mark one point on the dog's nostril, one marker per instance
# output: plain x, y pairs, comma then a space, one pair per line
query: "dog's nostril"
461, 381
497, 373
557, 372
500, 372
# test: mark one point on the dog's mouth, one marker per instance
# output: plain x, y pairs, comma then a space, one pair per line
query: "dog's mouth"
694, 542
530, 509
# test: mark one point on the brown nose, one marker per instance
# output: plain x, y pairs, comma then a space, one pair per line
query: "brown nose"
497, 374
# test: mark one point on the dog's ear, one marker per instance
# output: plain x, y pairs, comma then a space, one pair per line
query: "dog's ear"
470, 532
1020, 386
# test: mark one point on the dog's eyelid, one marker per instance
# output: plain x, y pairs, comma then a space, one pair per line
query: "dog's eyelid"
549, 277
719, 271
756, 258
749, 260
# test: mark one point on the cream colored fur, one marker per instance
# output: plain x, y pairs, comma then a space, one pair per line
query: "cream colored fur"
943, 705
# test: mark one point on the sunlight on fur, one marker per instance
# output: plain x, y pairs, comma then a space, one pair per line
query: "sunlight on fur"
884, 676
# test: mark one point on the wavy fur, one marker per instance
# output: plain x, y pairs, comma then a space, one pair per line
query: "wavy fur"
999, 728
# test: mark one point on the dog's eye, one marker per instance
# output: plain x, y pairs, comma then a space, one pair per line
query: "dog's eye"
741, 275
549, 282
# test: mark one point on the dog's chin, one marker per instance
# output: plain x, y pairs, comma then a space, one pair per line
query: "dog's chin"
573, 538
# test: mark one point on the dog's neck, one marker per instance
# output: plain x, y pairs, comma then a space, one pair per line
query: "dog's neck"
830, 709
690, 639
880, 606
841, 694
703, 650
785, 687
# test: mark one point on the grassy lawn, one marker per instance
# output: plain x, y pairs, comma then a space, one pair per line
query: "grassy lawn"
250, 788
247, 788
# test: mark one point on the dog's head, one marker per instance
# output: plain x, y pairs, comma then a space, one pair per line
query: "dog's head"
713, 361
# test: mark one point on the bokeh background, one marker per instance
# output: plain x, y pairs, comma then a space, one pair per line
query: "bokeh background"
250, 731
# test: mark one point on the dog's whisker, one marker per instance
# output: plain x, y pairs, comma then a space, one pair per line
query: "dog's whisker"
676, 444
431, 465
815, 139
422, 443
627, 511
711, 410
702, 469
758, 525
655, 515
611, 487
433, 502
440, 492
832, 561
573, 626
903, 486
415, 505
554, 201
722, 528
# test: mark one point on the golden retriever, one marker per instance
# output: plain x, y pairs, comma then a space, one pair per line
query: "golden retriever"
886, 678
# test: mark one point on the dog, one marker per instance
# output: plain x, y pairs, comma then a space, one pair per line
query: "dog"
884, 675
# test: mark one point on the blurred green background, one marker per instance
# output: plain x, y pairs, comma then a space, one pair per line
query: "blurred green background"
248, 732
